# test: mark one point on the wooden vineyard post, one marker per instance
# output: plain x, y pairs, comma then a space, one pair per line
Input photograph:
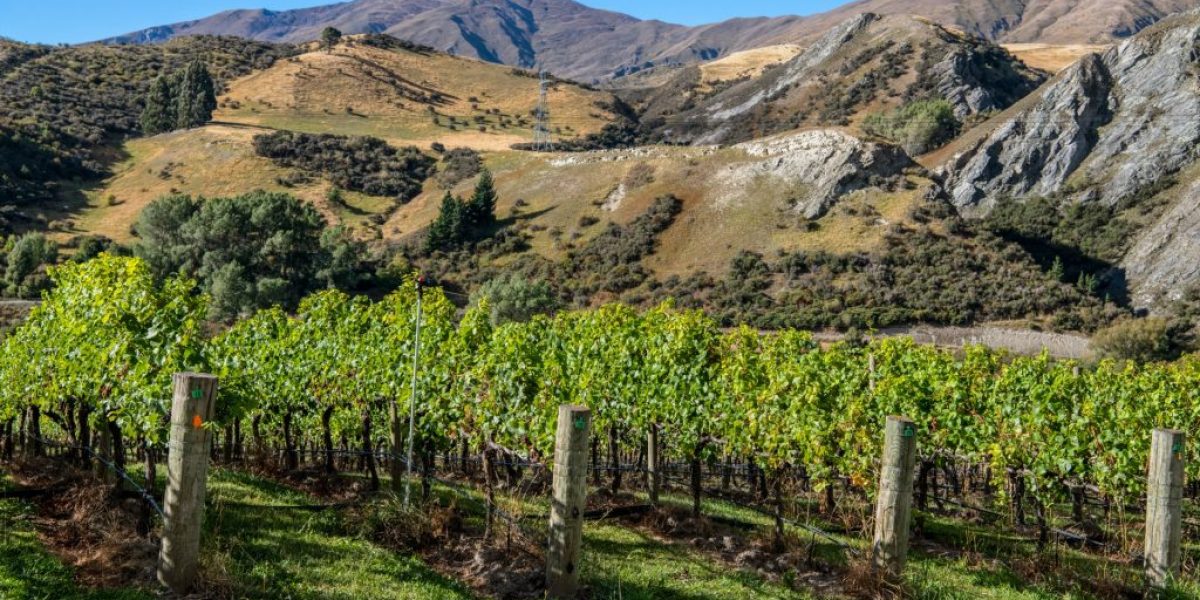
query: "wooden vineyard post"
1164, 503
187, 471
893, 509
569, 501
652, 474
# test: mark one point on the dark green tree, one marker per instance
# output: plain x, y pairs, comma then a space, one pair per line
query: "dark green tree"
25, 265
196, 97
330, 38
159, 115
480, 210
449, 229
249, 252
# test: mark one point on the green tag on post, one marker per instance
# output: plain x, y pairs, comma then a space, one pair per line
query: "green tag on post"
580, 423
197, 394
909, 431
1177, 448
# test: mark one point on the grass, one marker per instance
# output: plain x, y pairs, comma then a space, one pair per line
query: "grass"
358, 90
29, 572
298, 555
256, 548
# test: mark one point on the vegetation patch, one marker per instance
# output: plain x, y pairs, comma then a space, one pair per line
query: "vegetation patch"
362, 164
918, 127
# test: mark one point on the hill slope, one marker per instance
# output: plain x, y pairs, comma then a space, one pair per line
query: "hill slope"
382, 87
576, 41
865, 64
1113, 139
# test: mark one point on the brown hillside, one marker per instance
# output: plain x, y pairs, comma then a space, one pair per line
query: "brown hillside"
396, 93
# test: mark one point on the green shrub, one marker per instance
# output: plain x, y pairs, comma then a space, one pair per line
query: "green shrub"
513, 298
918, 127
1141, 340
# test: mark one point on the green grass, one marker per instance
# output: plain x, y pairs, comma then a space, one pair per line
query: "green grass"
29, 572
296, 555
265, 551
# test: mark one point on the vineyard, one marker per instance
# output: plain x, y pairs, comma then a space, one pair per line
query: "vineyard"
1059, 449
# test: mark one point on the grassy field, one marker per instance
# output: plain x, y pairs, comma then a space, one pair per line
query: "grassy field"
259, 545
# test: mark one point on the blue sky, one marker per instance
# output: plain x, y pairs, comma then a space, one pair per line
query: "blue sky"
73, 21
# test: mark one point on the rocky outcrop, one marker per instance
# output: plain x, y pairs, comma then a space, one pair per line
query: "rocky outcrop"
865, 64
1105, 130
827, 163
1165, 261
1034, 151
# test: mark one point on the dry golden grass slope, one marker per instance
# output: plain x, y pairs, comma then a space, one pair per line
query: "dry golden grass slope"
1050, 57
563, 199
213, 161
560, 195
747, 63
391, 93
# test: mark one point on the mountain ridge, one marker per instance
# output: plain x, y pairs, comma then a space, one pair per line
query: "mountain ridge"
588, 44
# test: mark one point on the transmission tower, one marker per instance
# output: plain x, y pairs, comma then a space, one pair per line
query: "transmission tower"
541, 129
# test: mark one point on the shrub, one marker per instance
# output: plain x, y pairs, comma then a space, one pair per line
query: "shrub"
362, 164
918, 127
1141, 340
458, 165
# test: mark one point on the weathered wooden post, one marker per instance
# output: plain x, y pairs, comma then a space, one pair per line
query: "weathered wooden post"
893, 509
569, 502
187, 470
1164, 504
653, 477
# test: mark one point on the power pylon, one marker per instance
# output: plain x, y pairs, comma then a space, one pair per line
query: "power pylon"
541, 129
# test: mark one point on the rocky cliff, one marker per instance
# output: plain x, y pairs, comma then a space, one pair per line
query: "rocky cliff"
1119, 129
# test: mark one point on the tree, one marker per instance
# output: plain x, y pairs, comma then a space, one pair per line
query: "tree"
480, 210
449, 229
159, 116
513, 298
252, 251
25, 274
196, 97
330, 38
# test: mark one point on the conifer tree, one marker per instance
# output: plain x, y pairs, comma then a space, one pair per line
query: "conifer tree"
481, 209
159, 114
196, 97
448, 231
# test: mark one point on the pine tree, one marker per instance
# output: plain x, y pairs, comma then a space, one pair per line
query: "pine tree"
481, 209
449, 229
1057, 271
159, 114
196, 97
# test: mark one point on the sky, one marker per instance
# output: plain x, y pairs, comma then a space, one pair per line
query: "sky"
75, 21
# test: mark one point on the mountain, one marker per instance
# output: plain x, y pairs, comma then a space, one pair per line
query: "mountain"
1046, 21
1103, 161
573, 40
867, 64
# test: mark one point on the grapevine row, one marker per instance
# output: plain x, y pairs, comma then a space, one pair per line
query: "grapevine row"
99, 351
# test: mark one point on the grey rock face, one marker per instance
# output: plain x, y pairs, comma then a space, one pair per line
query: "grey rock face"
829, 163
1036, 150
1113, 129
1165, 260
1112, 125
